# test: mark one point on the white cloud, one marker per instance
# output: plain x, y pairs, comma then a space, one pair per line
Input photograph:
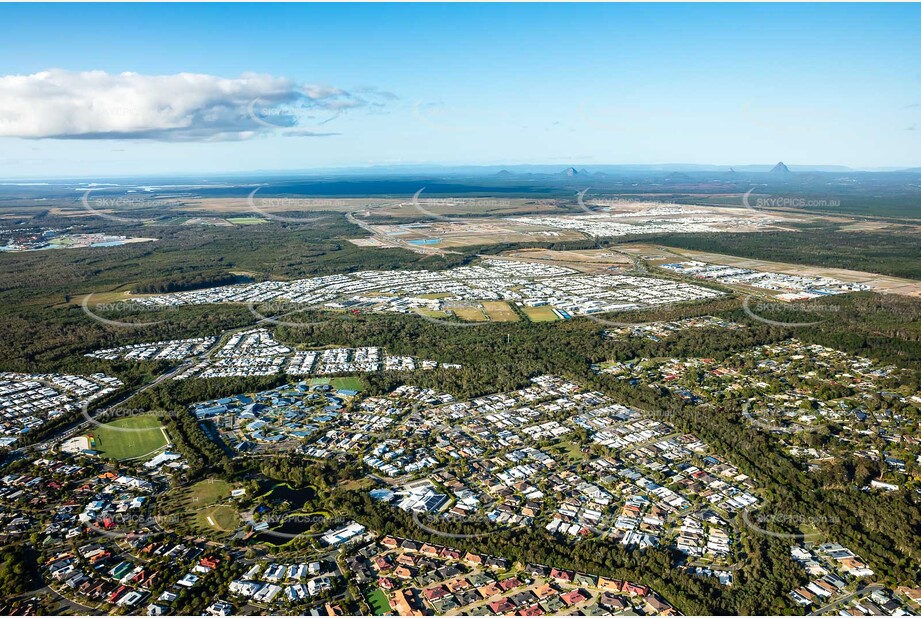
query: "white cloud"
181, 107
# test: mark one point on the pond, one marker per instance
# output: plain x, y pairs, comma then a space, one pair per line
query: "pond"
292, 526
297, 497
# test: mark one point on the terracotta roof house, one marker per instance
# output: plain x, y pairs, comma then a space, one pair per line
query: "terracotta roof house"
430, 550
502, 606
573, 597
612, 585
210, 562
390, 542
404, 603
489, 590
656, 605
563, 576
383, 563
386, 583
631, 588
435, 593
913, 594
458, 584
473, 558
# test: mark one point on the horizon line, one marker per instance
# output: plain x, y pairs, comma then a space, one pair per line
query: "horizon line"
563, 166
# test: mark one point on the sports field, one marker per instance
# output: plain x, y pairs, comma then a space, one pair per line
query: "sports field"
134, 437
499, 311
544, 313
349, 384
209, 491
432, 313
220, 518
204, 507
470, 314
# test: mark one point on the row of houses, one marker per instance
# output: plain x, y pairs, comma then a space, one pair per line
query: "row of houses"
452, 581
526, 283
29, 401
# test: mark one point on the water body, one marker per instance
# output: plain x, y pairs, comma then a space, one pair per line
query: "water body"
285, 532
110, 243
73, 242
297, 497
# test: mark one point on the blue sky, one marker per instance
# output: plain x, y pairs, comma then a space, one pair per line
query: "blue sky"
458, 84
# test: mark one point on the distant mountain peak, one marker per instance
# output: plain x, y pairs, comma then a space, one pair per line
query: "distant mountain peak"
780, 168
503, 173
570, 171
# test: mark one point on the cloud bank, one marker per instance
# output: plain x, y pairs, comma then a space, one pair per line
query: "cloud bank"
62, 104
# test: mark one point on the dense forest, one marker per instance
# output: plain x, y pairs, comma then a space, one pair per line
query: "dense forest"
16, 573
180, 282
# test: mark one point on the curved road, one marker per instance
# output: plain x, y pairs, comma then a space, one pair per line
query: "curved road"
847, 599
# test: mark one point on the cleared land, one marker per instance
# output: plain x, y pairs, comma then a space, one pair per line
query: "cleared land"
470, 232
880, 283
123, 292
460, 206
385, 206
130, 438
543, 313
266, 202
588, 260
247, 220
656, 255
591, 256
